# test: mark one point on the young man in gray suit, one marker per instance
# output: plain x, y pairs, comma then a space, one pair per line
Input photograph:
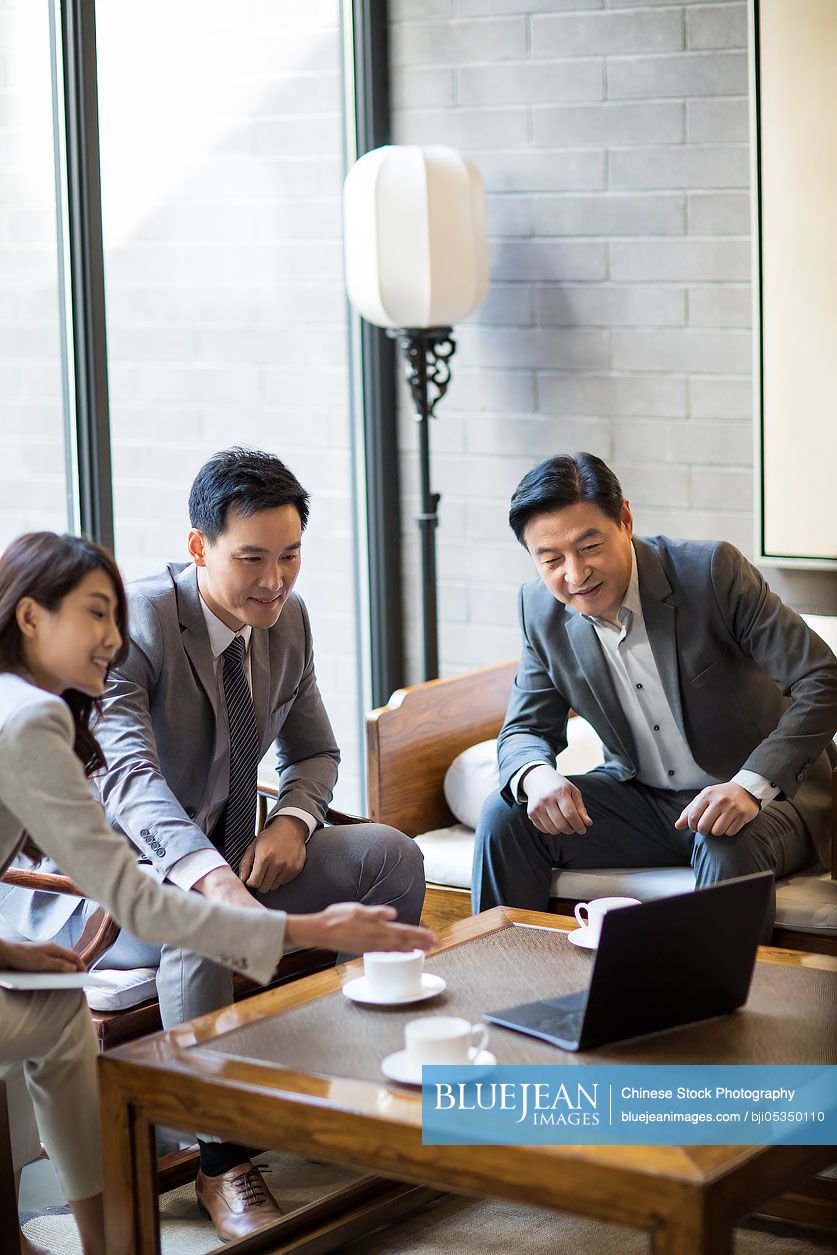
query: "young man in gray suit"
715, 703
220, 668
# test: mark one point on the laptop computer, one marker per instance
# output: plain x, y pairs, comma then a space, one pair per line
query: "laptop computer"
658, 965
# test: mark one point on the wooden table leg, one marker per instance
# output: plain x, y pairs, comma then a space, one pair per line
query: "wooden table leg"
677, 1239
693, 1227
129, 1163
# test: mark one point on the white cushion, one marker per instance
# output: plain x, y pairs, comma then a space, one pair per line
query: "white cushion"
474, 775
644, 883
806, 902
471, 778
448, 855
124, 989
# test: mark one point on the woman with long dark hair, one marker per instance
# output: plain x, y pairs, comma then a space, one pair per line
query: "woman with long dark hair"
62, 626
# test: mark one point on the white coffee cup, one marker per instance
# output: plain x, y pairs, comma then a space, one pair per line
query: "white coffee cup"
444, 1039
394, 974
591, 914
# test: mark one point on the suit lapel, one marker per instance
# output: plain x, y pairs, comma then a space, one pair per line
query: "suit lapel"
661, 624
596, 672
194, 634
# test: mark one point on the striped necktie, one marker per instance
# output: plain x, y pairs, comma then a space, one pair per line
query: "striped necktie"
240, 818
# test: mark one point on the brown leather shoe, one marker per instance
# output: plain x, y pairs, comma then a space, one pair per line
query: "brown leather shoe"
238, 1202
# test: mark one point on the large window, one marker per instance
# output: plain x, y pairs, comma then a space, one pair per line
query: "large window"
221, 139
34, 484
220, 134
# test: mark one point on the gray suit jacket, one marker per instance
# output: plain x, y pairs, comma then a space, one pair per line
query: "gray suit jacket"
43, 791
161, 719
748, 682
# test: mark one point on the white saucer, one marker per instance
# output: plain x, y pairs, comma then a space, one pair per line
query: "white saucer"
582, 937
399, 1067
358, 991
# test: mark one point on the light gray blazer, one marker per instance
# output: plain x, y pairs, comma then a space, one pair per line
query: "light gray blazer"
161, 717
43, 791
748, 682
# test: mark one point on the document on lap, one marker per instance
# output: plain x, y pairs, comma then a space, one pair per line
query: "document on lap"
50, 980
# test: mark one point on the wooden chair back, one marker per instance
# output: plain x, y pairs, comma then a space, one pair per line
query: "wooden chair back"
413, 740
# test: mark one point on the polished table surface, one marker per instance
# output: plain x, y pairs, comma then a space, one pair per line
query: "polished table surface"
299, 1068
786, 1020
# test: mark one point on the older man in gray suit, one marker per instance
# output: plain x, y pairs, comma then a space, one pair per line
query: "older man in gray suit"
220, 667
714, 701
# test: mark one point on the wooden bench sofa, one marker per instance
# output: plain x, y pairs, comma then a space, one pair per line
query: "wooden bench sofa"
411, 743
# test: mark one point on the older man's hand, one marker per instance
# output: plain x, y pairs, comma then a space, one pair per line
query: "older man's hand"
721, 810
554, 804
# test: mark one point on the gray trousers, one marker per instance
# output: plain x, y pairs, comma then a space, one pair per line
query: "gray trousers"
633, 826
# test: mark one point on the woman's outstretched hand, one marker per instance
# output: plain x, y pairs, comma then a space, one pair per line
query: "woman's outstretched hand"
31, 956
349, 927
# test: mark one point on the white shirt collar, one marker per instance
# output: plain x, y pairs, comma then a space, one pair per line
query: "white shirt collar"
631, 599
220, 636
630, 604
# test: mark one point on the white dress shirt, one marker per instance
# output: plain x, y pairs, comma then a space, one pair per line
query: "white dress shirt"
192, 867
663, 757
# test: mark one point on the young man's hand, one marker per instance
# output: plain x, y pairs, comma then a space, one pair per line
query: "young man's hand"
30, 956
554, 804
277, 855
350, 927
721, 810
223, 885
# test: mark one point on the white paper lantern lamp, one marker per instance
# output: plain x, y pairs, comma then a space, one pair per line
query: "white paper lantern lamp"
414, 228
416, 263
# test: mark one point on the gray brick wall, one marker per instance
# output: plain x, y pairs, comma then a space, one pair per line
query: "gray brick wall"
613, 139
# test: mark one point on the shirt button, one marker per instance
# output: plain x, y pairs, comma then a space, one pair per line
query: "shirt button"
143, 832
639, 686
671, 773
656, 727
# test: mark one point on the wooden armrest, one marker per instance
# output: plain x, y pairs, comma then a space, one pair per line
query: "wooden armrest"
49, 882
339, 817
101, 929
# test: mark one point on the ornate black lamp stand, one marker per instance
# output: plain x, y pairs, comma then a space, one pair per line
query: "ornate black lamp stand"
427, 352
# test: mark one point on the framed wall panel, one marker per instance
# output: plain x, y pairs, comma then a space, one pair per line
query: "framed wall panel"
795, 208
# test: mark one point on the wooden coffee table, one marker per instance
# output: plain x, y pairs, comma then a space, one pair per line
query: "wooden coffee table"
297, 1069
